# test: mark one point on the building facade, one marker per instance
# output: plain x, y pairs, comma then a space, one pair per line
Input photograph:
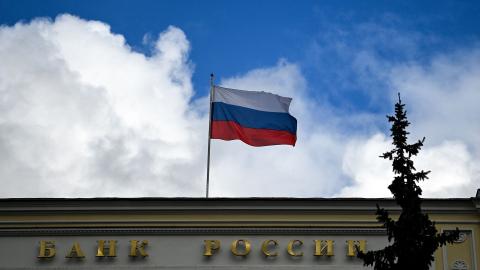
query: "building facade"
218, 233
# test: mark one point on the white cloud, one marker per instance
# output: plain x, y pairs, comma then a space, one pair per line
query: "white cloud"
370, 174
441, 98
84, 115
453, 170
443, 102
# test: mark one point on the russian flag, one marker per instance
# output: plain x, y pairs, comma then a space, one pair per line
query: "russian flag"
255, 118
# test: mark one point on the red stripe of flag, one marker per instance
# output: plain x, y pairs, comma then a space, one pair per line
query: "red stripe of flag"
229, 130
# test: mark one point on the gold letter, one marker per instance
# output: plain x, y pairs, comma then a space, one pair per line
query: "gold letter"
210, 246
352, 246
323, 247
362, 245
111, 248
47, 249
290, 250
351, 249
134, 247
75, 251
265, 248
234, 247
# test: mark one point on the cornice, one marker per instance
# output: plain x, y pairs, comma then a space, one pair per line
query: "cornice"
191, 231
228, 205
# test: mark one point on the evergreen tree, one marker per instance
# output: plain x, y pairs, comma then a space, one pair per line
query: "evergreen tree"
414, 235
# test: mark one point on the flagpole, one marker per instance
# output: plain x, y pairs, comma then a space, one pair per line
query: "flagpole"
212, 92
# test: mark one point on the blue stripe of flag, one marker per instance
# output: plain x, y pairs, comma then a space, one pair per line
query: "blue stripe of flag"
251, 118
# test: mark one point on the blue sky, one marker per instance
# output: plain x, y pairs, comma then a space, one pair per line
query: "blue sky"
232, 37
346, 59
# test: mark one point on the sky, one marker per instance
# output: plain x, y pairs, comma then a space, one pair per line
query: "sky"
110, 98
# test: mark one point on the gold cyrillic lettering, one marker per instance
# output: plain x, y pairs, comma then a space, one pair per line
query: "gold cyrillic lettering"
134, 247
75, 251
111, 248
323, 247
211, 246
290, 248
246, 247
265, 250
47, 249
